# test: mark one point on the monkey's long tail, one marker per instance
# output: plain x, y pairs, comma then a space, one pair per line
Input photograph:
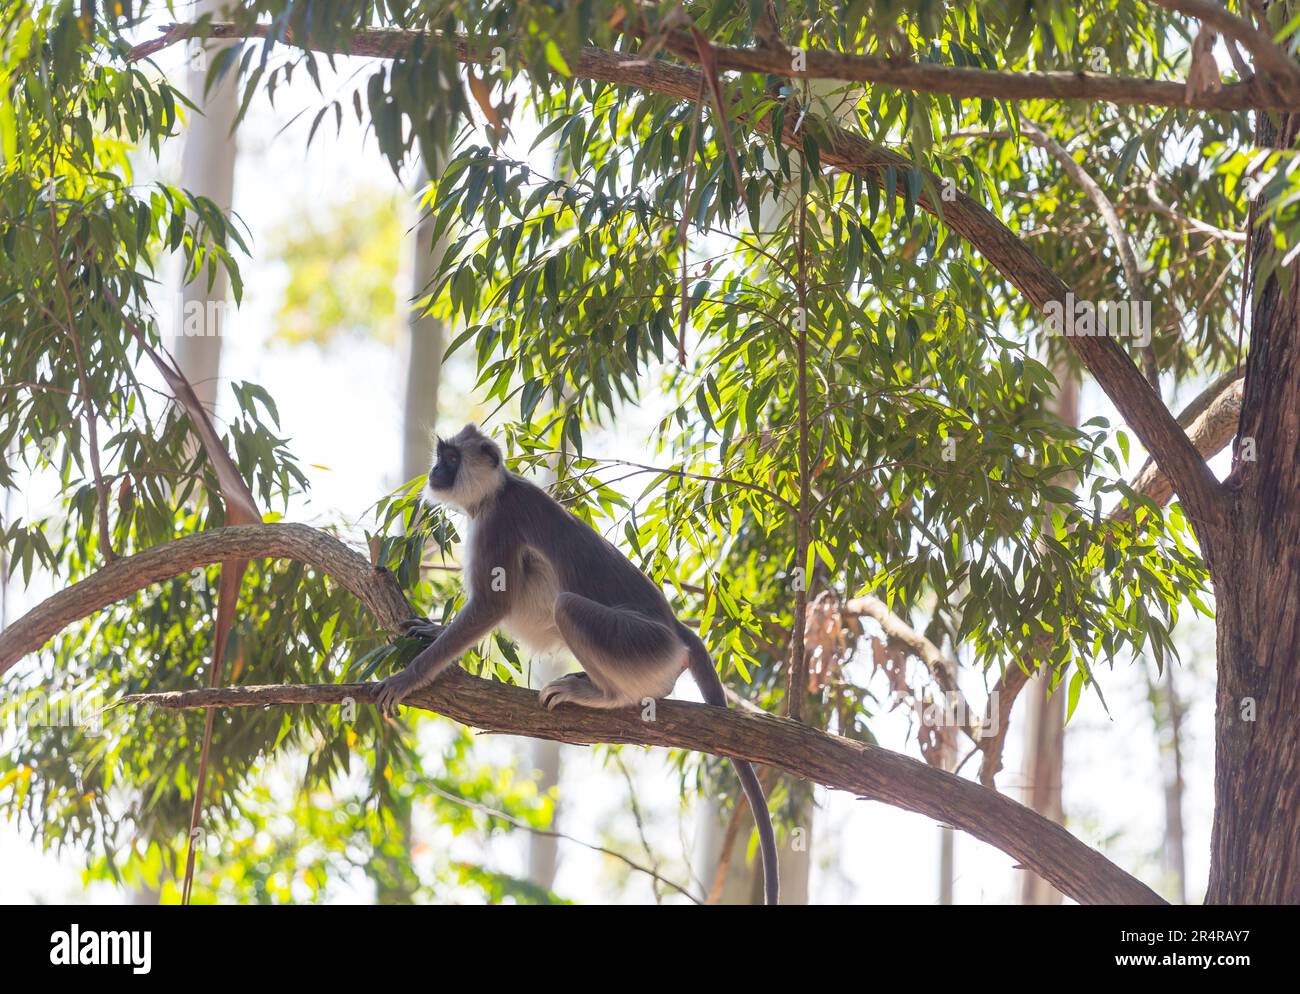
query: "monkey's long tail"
701, 665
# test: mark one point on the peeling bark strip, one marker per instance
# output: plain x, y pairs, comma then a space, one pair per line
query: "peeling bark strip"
868, 771
1281, 73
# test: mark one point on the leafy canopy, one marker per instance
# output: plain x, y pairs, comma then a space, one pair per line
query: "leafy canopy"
929, 470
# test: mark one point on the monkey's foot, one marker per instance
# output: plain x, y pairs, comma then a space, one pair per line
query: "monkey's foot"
576, 687
420, 628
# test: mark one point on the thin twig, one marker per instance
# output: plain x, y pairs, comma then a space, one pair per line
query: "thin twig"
1153, 194
551, 834
728, 481
92, 429
636, 817
684, 224
1123, 245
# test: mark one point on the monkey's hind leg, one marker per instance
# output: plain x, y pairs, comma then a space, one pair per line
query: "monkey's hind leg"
627, 656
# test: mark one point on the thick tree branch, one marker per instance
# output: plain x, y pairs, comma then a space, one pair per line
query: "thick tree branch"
128, 575
1212, 423
1002, 698
900, 73
1123, 383
971, 83
868, 771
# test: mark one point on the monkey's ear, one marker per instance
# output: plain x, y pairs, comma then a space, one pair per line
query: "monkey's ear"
493, 456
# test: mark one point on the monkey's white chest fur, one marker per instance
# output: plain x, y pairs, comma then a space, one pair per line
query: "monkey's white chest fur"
532, 611
532, 591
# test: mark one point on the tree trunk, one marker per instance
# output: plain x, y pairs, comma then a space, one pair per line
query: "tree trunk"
1044, 767
426, 340
425, 343
544, 757
1044, 762
4, 564
743, 881
207, 168
1255, 562
947, 865
743, 884
1175, 851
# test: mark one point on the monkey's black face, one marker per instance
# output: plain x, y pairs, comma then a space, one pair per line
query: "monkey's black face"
443, 474
466, 471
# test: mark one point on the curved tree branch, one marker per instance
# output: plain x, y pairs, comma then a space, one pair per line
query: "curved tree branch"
900, 73
868, 771
925, 77
1002, 699
373, 587
1212, 422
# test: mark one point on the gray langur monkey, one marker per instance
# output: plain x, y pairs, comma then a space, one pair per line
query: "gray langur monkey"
547, 578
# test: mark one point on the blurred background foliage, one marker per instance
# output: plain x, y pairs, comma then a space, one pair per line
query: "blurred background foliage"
343, 265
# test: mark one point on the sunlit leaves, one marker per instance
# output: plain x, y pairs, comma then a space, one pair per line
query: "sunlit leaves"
938, 479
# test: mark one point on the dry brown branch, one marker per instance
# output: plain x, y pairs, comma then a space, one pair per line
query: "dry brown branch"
900, 73
867, 771
1273, 65
1003, 699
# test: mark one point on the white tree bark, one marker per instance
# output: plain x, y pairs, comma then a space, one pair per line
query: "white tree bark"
1044, 759
207, 168
743, 883
544, 757
425, 344
947, 864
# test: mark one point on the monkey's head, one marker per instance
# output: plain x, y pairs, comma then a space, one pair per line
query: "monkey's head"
467, 469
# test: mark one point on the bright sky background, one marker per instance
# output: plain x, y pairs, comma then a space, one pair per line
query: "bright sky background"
342, 409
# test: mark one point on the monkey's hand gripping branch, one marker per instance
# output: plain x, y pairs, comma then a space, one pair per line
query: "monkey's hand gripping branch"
393, 690
1038, 844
